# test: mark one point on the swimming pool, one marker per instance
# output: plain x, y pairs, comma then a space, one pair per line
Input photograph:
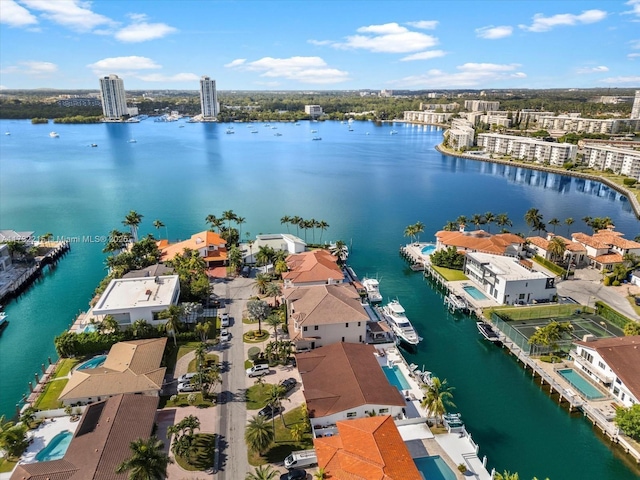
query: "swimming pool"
90, 328
95, 362
428, 250
576, 380
474, 292
396, 378
56, 448
434, 468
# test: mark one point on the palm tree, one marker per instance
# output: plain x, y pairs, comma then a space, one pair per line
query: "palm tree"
132, 220
228, 215
506, 476
438, 397
554, 222
108, 324
141, 328
275, 395
339, 250
502, 220
320, 474
263, 472
258, 434
587, 220
147, 462
322, 225
410, 231
461, 220
419, 228
173, 314
489, 218
450, 226
296, 221
533, 218
556, 248
285, 220
476, 219
258, 310
262, 280
297, 432
568, 222
203, 330
274, 321
240, 221
158, 224
273, 289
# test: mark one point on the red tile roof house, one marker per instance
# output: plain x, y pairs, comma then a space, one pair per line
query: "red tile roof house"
325, 314
100, 443
210, 246
317, 267
366, 449
575, 252
345, 381
613, 363
606, 248
480, 241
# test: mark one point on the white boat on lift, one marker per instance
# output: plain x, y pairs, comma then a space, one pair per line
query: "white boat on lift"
397, 319
372, 287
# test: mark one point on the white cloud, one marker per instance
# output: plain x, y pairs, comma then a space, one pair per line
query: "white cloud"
635, 7
544, 24
122, 64
320, 42
428, 55
469, 75
301, 69
388, 38
141, 32
635, 44
424, 24
493, 33
32, 67
598, 69
631, 80
16, 15
2, 87
235, 63
633, 55
178, 77
73, 14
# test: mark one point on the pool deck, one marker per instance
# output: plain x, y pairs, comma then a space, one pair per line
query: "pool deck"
41, 436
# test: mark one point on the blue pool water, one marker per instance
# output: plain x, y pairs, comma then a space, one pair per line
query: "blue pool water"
95, 362
474, 292
396, 378
90, 328
428, 250
56, 448
434, 468
575, 379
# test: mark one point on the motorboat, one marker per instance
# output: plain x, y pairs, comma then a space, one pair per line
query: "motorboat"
393, 132
230, 131
456, 303
94, 144
3, 321
278, 134
133, 140
314, 131
316, 138
53, 135
488, 332
397, 319
372, 287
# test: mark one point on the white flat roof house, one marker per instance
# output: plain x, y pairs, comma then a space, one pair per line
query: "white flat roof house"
278, 241
131, 299
508, 281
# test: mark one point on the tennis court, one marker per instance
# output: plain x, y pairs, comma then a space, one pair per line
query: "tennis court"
583, 324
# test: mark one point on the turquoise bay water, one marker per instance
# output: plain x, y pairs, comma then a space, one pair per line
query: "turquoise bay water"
367, 187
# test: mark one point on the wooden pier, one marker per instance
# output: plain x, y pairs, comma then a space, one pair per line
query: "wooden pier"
416, 262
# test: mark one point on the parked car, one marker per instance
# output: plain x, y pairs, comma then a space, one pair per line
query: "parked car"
186, 388
186, 378
258, 370
294, 474
224, 335
246, 271
270, 411
289, 384
224, 320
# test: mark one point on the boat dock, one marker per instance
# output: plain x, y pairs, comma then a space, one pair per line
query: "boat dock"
409, 253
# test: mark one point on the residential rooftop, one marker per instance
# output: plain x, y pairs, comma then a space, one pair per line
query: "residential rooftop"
508, 268
122, 293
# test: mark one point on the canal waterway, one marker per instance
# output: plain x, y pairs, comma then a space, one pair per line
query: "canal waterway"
368, 184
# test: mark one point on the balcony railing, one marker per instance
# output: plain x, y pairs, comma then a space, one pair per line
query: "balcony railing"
589, 366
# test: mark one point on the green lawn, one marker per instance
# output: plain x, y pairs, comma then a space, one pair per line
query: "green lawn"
181, 400
48, 399
257, 396
209, 359
6, 465
283, 444
65, 366
202, 457
449, 274
252, 336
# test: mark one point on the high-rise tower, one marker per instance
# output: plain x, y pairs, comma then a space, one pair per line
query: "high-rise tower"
208, 98
114, 102
635, 110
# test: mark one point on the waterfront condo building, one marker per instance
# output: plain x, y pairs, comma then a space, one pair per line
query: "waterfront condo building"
480, 105
208, 99
624, 161
314, 111
635, 110
530, 149
114, 102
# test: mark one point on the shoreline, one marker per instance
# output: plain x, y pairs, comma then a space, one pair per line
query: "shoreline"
635, 205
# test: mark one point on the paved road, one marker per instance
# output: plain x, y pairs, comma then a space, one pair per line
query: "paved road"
232, 462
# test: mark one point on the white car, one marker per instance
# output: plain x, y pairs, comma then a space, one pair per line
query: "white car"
224, 320
224, 335
186, 378
186, 388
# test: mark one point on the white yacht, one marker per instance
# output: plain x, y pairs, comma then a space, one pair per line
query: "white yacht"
372, 287
53, 135
395, 315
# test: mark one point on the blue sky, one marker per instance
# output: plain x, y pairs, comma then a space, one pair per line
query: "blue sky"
320, 45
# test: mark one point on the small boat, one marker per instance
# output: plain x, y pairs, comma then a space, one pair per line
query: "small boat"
351, 129
278, 134
7, 133
3, 321
456, 303
297, 124
181, 126
133, 140
314, 131
393, 132
372, 287
53, 135
254, 131
94, 144
488, 332
230, 131
274, 128
395, 316
316, 138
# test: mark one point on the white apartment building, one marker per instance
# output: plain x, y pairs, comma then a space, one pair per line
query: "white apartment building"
572, 123
114, 101
613, 363
209, 105
313, 111
635, 110
621, 160
432, 118
480, 105
461, 134
529, 149
131, 299
443, 107
506, 280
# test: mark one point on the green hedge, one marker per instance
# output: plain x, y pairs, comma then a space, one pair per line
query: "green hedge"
550, 265
615, 317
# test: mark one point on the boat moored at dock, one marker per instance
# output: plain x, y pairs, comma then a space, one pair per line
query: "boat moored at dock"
488, 332
372, 287
397, 319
